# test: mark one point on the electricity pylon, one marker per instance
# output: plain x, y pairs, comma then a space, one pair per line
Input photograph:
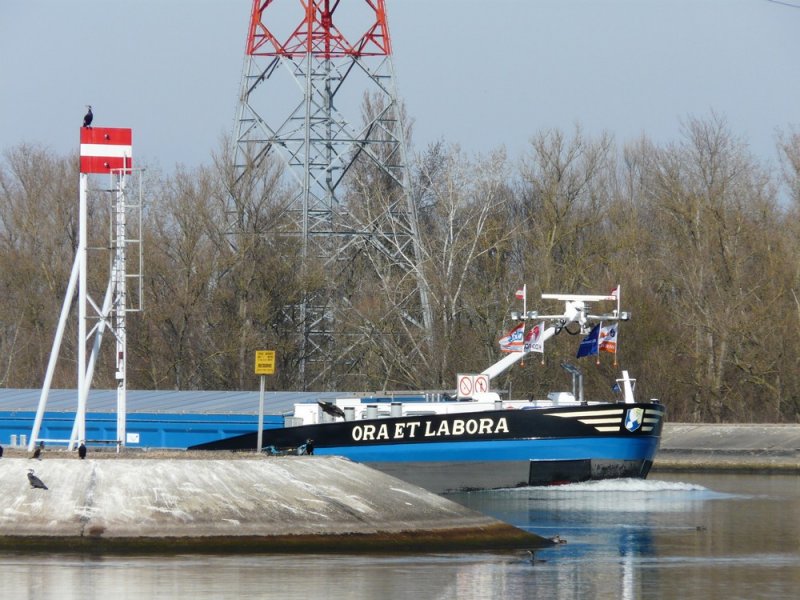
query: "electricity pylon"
318, 95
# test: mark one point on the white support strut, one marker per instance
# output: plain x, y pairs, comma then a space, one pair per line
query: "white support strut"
51, 365
83, 390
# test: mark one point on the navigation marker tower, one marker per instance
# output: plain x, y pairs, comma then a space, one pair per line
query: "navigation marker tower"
103, 150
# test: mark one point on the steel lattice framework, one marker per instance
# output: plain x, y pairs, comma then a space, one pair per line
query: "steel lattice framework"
318, 93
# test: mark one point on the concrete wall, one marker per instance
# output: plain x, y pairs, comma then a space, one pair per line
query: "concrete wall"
232, 504
762, 448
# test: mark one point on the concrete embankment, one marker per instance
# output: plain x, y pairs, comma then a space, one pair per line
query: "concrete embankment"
744, 448
258, 504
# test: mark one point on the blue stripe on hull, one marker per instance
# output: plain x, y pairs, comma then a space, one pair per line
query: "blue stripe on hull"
603, 448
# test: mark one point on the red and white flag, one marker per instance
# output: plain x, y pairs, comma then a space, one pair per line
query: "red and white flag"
520, 294
608, 338
104, 149
533, 339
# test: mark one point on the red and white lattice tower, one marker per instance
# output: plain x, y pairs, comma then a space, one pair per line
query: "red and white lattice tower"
318, 95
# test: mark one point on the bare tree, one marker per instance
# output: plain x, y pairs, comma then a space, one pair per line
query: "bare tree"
38, 234
563, 203
464, 227
693, 230
260, 279
711, 200
789, 147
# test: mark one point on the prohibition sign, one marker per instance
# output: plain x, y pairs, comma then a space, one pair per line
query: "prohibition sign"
465, 385
481, 384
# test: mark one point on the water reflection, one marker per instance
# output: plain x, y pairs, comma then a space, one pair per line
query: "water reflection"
697, 534
688, 537
199, 578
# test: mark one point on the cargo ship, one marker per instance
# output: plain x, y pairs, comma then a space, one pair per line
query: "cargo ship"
471, 438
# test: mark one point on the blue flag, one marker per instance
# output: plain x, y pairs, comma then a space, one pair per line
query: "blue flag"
589, 344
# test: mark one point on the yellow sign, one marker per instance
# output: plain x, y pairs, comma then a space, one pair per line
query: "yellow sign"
265, 362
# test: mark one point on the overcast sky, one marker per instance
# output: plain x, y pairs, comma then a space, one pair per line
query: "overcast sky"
479, 73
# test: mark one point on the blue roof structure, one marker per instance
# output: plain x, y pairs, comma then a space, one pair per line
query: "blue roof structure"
155, 419
163, 401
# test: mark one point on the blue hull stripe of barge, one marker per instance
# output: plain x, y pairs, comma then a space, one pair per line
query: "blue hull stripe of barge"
624, 448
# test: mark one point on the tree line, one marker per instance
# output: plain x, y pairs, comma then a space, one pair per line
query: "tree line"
702, 236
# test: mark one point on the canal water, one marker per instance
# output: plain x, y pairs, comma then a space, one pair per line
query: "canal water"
673, 536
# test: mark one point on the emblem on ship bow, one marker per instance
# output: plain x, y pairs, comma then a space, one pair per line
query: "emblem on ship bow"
633, 419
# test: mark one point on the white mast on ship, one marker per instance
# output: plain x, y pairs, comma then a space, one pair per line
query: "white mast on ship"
576, 310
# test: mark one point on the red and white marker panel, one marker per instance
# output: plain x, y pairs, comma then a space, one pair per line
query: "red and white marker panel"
105, 148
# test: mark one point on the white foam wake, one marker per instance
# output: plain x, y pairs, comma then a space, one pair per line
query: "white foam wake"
628, 485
